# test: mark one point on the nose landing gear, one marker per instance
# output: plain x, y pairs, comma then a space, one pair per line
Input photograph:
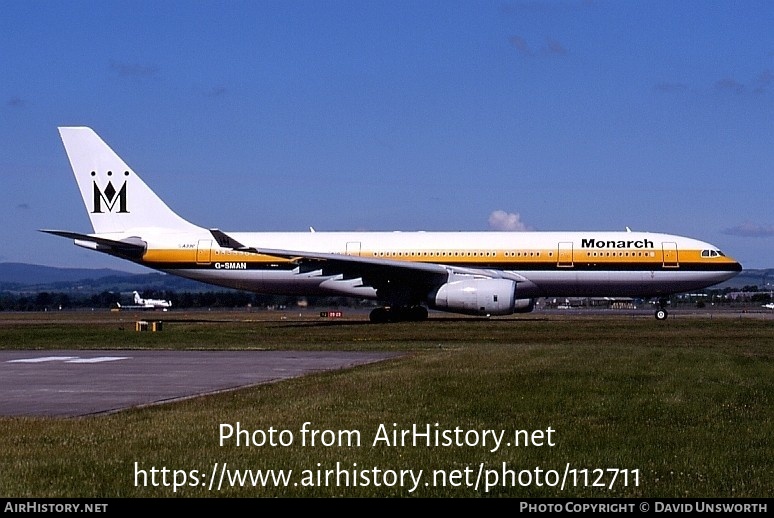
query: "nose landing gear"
661, 312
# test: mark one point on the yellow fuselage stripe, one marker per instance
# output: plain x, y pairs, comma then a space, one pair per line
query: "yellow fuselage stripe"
471, 257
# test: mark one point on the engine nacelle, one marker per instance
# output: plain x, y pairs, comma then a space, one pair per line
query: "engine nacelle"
524, 305
479, 297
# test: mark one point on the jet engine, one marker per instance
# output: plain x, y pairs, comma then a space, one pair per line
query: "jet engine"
480, 297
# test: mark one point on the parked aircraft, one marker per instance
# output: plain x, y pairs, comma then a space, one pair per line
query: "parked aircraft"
141, 303
151, 303
476, 273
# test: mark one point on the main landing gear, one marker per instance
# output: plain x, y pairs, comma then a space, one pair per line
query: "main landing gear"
398, 314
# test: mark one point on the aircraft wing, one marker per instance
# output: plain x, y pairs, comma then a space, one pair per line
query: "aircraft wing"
342, 260
379, 273
357, 262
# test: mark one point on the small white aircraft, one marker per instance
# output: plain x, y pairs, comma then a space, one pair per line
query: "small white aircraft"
141, 303
151, 303
474, 273
770, 305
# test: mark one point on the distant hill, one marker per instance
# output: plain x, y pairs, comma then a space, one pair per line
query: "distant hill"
20, 277
21, 273
763, 279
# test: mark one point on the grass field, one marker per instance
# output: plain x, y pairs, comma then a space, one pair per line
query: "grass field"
681, 408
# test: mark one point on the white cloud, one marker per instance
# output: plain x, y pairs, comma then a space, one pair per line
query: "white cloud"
501, 220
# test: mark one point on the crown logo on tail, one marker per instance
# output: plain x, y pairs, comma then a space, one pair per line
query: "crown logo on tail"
110, 197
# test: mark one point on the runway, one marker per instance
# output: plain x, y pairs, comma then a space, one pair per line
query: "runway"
66, 383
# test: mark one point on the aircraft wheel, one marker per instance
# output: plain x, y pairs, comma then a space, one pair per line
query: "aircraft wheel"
418, 313
379, 316
661, 314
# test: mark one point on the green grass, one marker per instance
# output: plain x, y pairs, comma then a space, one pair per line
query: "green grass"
686, 402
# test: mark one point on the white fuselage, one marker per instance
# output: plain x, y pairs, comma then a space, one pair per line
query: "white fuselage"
635, 264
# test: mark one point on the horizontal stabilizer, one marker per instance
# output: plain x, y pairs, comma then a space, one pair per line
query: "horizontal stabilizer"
131, 248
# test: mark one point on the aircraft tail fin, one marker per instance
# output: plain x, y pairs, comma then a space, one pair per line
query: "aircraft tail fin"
116, 199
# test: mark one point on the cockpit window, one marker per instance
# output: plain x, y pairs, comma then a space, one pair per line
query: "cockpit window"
712, 253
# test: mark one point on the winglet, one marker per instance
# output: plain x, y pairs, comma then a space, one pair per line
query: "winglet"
224, 240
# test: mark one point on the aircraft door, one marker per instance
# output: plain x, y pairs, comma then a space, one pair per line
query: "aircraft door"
564, 255
670, 255
353, 248
204, 251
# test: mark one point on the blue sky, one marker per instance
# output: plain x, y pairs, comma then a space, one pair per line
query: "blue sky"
393, 115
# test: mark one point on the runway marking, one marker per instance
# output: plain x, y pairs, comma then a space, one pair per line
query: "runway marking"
43, 359
70, 359
52, 384
99, 359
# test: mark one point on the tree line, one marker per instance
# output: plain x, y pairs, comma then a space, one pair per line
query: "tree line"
54, 301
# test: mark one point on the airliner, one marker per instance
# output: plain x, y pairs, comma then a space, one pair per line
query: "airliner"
488, 273
141, 303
